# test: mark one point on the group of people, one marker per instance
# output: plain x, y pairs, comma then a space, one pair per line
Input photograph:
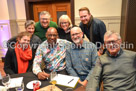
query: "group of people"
45, 47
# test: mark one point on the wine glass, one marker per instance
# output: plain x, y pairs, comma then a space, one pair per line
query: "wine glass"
6, 80
53, 82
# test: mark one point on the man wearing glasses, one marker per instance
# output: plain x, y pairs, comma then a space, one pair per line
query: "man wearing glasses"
50, 55
43, 24
81, 56
116, 68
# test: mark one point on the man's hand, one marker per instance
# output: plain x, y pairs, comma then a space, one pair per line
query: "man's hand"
84, 83
43, 75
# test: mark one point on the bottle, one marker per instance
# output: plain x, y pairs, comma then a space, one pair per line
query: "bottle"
36, 86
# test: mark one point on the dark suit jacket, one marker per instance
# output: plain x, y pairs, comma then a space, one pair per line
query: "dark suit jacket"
98, 31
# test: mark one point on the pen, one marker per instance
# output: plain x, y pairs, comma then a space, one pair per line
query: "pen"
70, 81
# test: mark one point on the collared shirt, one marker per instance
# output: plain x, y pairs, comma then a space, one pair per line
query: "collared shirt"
80, 61
54, 58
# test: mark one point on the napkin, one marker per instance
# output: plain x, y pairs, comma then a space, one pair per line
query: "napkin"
15, 82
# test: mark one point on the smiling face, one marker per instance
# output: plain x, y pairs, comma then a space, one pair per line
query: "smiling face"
30, 29
84, 16
52, 36
76, 35
64, 24
24, 41
112, 44
45, 20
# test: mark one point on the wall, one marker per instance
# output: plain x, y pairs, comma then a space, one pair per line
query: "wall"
100, 8
20, 9
20, 16
4, 9
5, 33
12, 21
109, 11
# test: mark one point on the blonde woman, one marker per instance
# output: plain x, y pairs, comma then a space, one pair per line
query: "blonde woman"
65, 25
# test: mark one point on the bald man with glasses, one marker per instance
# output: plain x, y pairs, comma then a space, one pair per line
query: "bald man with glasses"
80, 57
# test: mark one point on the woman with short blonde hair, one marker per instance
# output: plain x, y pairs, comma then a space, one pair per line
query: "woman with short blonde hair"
65, 25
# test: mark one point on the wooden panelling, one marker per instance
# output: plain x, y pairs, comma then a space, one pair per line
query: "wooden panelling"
29, 7
52, 8
128, 22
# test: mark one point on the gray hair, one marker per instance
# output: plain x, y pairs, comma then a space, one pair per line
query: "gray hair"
111, 32
29, 22
67, 18
44, 13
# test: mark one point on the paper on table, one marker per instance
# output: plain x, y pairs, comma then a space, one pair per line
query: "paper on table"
2, 88
15, 82
65, 80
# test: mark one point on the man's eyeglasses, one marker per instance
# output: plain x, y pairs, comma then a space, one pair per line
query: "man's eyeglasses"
75, 34
112, 42
63, 22
45, 19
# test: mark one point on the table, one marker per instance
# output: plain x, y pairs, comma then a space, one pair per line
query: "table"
29, 76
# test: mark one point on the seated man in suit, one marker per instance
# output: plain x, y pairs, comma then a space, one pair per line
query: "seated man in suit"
50, 55
81, 56
116, 68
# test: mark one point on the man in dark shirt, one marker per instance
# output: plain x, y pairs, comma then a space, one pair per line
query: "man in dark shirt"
116, 68
93, 28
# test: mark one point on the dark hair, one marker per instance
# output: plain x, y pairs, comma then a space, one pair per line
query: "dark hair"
84, 8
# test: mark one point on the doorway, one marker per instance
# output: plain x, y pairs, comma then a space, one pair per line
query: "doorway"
55, 7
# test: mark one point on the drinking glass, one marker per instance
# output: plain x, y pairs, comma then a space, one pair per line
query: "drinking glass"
52, 75
6, 80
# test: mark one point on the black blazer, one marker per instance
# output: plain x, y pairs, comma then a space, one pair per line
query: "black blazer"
10, 63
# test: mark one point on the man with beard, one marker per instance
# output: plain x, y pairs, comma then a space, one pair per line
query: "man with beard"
80, 57
50, 55
42, 26
93, 28
116, 68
